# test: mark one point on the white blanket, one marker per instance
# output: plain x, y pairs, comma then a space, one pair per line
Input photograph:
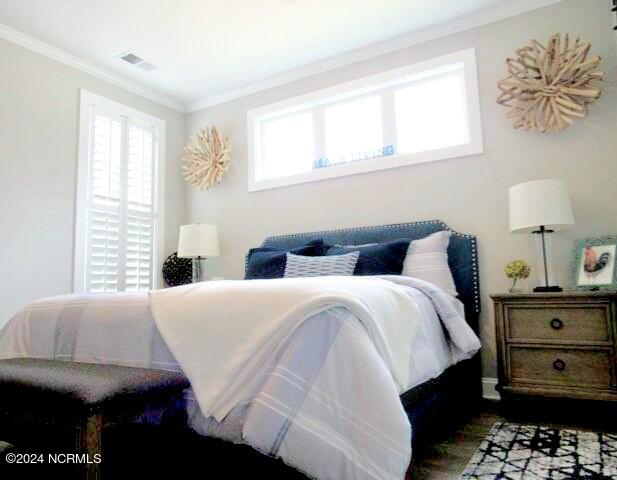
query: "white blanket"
222, 332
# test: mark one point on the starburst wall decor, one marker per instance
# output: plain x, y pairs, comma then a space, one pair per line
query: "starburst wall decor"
548, 86
206, 158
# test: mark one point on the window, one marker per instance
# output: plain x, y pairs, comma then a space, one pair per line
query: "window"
119, 198
434, 110
424, 112
352, 127
285, 138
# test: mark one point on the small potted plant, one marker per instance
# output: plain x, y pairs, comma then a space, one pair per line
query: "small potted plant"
515, 270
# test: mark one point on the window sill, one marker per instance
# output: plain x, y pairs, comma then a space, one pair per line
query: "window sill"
369, 165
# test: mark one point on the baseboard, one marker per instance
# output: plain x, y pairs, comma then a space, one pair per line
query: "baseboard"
488, 388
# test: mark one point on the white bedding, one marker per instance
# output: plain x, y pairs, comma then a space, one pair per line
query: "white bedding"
324, 401
431, 351
222, 332
120, 330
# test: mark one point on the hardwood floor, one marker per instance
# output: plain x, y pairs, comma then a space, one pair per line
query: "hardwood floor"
447, 459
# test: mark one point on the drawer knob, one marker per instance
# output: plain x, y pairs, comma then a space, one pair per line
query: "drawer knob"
559, 365
556, 324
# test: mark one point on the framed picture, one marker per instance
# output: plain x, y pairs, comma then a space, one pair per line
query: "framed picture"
593, 263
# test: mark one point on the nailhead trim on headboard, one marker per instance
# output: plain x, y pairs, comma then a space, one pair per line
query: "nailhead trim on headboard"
472, 238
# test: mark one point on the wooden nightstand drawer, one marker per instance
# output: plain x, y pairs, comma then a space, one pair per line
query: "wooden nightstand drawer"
560, 366
578, 324
557, 344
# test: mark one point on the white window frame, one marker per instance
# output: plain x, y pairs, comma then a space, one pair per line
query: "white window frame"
86, 101
379, 83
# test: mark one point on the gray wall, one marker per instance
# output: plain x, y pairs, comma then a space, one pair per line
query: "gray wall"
470, 194
39, 110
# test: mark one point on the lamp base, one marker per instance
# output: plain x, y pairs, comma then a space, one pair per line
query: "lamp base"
548, 289
197, 270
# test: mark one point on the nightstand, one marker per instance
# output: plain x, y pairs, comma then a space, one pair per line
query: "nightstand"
557, 344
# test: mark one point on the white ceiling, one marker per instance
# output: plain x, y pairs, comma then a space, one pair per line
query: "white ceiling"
207, 48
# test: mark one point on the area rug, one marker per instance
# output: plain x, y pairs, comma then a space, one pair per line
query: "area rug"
513, 451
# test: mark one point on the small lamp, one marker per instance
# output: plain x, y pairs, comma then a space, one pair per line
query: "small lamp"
541, 207
197, 242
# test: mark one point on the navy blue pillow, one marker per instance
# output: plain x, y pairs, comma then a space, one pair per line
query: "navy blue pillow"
268, 262
376, 258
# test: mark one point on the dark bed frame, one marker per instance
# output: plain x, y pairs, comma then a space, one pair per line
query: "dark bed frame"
434, 406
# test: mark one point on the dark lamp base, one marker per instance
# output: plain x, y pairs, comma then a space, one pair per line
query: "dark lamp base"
548, 289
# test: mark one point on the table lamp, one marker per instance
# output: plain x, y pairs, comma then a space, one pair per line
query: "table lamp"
198, 242
541, 207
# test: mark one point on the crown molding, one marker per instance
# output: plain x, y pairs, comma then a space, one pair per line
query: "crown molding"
508, 9
73, 61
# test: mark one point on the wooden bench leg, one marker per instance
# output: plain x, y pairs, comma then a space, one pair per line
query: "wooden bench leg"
88, 441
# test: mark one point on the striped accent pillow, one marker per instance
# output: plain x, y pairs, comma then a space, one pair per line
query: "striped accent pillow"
427, 259
301, 266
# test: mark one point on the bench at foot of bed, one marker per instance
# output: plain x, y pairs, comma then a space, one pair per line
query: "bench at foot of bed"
37, 395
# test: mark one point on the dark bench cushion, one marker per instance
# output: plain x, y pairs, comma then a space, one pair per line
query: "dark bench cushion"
39, 388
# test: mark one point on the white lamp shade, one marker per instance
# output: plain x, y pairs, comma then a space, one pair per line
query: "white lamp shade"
198, 241
540, 203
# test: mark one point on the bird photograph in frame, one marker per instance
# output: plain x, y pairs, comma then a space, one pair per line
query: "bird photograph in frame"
594, 263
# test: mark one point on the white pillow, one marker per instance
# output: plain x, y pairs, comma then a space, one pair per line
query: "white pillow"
427, 259
304, 266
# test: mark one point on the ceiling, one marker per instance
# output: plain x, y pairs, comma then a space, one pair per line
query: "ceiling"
205, 49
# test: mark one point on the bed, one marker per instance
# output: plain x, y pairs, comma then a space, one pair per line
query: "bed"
120, 329
434, 405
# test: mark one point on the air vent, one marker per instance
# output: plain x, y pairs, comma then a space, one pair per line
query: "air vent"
137, 61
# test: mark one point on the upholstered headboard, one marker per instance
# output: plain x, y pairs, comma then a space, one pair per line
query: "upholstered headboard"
462, 253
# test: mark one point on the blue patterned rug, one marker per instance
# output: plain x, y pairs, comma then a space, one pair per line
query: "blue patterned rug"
513, 451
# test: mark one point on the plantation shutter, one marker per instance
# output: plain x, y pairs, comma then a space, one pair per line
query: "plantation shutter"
139, 208
120, 207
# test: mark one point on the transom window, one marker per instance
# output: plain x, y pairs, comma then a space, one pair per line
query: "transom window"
119, 212
420, 113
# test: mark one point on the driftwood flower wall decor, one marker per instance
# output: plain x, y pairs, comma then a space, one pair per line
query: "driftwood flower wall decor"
548, 86
206, 158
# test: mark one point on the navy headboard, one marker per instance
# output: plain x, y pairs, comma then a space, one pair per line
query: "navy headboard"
462, 253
